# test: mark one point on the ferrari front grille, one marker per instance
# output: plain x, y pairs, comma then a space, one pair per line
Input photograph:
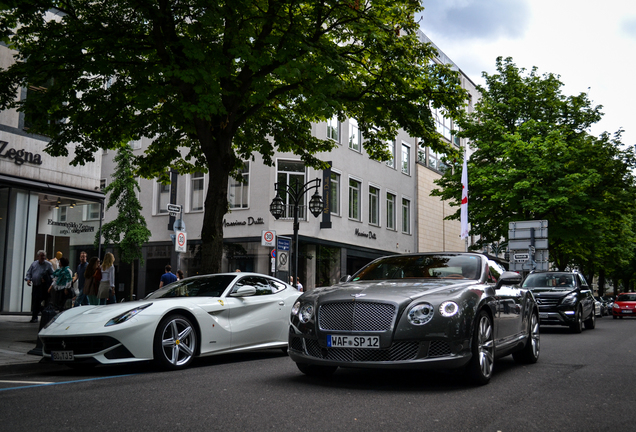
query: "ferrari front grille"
356, 316
78, 344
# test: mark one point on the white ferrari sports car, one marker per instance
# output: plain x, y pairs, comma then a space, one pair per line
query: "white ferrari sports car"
197, 316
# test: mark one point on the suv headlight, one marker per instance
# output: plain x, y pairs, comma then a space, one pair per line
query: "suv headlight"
421, 314
569, 299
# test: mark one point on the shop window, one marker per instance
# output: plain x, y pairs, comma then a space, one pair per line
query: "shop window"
197, 191
239, 190
354, 199
374, 206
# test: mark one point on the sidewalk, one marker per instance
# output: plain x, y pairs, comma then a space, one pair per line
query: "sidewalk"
17, 337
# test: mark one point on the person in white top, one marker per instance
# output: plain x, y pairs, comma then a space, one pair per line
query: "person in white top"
107, 285
299, 286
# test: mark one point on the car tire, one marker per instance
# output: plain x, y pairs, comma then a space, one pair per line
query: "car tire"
482, 362
530, 353
175, 342
316, 370
577, 326
590, 323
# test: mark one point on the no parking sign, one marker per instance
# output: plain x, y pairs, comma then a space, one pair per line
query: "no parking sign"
180, 241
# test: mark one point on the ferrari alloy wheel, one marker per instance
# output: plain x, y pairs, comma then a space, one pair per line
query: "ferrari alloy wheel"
175, 342
577, 325
530, 353
482, 362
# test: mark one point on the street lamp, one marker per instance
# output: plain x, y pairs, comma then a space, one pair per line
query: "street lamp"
296, 192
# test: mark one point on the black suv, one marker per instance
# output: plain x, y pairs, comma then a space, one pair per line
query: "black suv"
564, 298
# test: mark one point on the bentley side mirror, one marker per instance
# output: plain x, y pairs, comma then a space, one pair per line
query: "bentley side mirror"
345, 279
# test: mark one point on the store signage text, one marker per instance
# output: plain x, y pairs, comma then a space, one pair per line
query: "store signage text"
72, 227
250, 221
19, 156
368, 234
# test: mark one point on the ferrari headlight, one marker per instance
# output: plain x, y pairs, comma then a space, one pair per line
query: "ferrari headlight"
420, 314
51, 321
126, 315
306, 313
295, 309
448, 309
569, 299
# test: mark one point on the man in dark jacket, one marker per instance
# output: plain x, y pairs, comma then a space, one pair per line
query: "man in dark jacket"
38, 277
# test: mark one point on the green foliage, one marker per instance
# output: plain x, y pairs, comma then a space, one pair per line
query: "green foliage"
128, 230
216, 82
535, 160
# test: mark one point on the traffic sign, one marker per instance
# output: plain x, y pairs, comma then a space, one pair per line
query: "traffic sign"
180, 241
268, 238
174, 208
273, 253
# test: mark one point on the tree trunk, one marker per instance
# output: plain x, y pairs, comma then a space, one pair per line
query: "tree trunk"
601, 281
220, 158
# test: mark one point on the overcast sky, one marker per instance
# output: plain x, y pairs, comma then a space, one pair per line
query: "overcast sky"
590, 44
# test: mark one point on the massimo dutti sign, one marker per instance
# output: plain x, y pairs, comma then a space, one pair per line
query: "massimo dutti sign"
19, 157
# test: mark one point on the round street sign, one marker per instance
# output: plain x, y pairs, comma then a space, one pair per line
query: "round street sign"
268, 238
273, 253
181, 239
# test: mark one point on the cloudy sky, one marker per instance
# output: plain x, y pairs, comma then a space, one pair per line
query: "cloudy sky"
590, 44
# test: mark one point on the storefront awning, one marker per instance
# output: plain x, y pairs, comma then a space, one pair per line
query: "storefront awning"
51, 188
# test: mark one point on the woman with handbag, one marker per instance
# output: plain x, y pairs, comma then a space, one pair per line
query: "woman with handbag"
107, 284
92, 278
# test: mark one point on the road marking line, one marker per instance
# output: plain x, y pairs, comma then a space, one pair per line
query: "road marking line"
63, 382
27, 382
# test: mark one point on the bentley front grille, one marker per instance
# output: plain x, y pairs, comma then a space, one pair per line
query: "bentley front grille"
438, 349
399, 351
356, 316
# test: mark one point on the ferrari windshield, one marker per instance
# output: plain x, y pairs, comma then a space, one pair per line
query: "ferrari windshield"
552, 281
450, 266
202, 286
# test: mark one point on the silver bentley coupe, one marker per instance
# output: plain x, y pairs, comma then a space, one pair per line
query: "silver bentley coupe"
425, 310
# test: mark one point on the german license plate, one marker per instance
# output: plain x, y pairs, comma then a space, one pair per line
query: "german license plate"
62, 356
334, 341
543, 315
627, 311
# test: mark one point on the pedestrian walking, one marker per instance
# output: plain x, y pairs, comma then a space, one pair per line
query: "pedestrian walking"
38, 277
299, 286
61, 286
81, 298
107, 284
167, 277
92, 278
179, 274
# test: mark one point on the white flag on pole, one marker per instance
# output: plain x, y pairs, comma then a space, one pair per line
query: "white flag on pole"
464, 204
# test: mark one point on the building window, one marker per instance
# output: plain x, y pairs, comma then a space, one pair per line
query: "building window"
333, 129
374, 206
406, 216
61, 214
435, 161
354, 199
197, 191
135, 144
291, 173
390, 210
442, 123
102, 184
92, 212
354, 135
406, 159
334, 194
163, 198
391, 147
239, 190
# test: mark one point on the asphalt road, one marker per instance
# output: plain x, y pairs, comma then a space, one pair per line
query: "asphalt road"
582, 382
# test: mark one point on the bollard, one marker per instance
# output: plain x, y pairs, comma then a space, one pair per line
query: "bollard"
47, 315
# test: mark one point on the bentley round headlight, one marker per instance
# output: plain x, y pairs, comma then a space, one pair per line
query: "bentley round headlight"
448, 308
295, 309
306, 313
421, 314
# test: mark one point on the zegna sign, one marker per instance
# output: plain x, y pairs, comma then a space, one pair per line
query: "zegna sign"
19, 156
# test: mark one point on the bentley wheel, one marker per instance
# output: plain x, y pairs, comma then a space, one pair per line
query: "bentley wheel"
315, 370
590, 323
530, 353
577, 326
175, 342
482, 362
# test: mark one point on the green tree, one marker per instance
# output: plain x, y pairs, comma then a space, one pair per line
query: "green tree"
535, 160
128, 230
215, 82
